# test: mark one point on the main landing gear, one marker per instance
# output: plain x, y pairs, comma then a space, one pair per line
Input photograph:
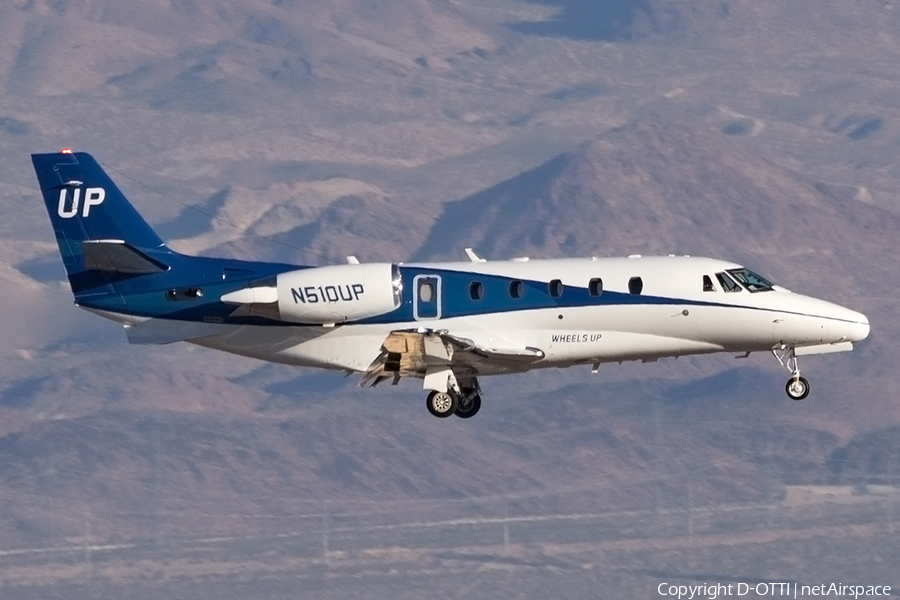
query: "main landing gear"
797, 387
442, 404
464, 404
469, 405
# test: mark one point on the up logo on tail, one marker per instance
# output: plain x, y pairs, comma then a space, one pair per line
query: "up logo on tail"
92, 197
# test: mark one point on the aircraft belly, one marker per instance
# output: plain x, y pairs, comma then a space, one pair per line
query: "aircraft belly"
642, 331
590, 334
609, 346
565, 336
337, 348
624, 345
351, 353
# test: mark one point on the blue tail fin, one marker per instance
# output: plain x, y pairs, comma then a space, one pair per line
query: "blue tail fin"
101, 237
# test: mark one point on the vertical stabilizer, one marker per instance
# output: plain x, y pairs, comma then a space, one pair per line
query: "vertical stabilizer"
86, 206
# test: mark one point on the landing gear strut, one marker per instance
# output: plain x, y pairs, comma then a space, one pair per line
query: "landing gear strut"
797, 387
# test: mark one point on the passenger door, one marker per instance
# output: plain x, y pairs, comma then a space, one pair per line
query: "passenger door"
427, 298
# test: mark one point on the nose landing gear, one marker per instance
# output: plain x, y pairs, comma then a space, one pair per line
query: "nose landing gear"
797, 387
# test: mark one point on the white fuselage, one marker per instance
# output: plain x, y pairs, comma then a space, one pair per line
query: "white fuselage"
671, 316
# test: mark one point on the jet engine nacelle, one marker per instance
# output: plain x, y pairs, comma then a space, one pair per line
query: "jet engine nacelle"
338, 293
324, 295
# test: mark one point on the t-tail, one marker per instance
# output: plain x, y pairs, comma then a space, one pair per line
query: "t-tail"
101, 237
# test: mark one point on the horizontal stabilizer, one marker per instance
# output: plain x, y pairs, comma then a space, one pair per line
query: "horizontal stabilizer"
116, 256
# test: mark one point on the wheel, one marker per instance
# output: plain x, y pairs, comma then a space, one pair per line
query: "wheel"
797, 389
468, 406
441, 404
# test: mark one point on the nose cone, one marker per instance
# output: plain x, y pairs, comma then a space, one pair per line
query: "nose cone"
838, 323
845, 325
851, 325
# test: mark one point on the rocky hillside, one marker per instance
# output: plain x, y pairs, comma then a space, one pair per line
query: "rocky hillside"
410, 129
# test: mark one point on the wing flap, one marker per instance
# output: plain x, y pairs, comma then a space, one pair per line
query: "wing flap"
415, 353
523, 354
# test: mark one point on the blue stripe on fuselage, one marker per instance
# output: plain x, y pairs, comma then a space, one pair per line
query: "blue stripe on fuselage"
146, 295
456, 302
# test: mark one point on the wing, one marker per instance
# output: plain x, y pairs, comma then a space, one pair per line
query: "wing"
416, 352
166, 331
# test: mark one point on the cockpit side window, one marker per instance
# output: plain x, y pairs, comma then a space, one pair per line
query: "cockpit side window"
751, 281
708, 284
727, 283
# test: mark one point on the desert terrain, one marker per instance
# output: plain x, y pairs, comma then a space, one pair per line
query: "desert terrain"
764, 133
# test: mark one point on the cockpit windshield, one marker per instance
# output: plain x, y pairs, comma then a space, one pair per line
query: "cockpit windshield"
728, 283
751, 281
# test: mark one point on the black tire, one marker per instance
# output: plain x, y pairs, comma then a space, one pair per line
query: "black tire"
442, 404
467, 410
797, 389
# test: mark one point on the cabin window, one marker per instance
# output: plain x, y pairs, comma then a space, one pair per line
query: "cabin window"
556, 288
635, 286
727, 283
476, 290
515, 289
426, 292
708, 284
595, 286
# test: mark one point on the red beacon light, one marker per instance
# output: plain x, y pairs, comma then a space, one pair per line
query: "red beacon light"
67, 151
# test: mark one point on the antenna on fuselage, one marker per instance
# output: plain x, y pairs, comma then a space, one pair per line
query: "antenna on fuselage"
474, 257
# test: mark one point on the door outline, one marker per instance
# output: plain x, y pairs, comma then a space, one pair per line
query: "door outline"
436, 281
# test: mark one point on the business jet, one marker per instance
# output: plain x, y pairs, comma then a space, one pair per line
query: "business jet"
447, 324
